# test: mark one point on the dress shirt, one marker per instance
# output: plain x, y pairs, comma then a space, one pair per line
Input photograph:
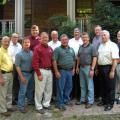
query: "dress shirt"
107, 52
53, 44
75, 44
6, 62
42, 58
14, 49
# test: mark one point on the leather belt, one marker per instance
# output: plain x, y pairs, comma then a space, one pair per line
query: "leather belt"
4, 72
47, 68
27, 71
83, 65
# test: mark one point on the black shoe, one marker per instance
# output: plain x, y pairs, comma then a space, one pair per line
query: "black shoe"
6, 114
14, 102
61, 108
108, 108
48, 108
118, 101
12, 109
41, 111
69, 103
101, 104
80, 103
88, 105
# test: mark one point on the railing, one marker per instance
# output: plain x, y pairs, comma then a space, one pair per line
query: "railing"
7, 27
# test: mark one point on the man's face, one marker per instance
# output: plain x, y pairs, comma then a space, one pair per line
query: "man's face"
97, 31
77, 34
118, 35
85, 39
44, 39
64, 41
5, 43
105, 37
35, 32
54, 36
26, 44
15, 39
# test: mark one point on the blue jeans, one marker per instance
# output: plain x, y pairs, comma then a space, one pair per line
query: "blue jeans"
86, 84
26, 89
64, 87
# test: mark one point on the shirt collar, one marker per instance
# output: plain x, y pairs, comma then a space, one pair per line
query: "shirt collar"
3, 49
11, 43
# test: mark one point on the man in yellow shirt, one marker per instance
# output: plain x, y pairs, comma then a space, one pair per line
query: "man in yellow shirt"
6, 79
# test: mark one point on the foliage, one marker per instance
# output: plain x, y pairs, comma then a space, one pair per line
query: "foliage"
108, 16
63, 24
3, 2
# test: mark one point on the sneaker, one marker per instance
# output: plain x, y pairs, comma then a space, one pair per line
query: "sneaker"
6, 114
108, 108
41, 111
88, 105
80, 103
101, 104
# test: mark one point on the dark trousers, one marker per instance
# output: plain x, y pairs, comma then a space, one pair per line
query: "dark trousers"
16, 85
107, 85
75, 94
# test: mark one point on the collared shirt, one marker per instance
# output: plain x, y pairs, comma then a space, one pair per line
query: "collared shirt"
6, 62
24, 60
53, 44
75, 44
107, 52
42, 58
86, 54
65, 57
34, 41
96, 41
14, 49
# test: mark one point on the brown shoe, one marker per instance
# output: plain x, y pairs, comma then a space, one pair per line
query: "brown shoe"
12, 109
6, 114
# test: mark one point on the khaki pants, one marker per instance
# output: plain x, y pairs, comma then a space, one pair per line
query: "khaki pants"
118, 81
43, 89
6, 93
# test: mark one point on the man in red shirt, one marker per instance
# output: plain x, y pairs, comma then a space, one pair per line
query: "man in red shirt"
42, 64
34, 37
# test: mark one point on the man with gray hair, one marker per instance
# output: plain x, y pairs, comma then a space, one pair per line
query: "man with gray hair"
13, 49
107, 62
6, 78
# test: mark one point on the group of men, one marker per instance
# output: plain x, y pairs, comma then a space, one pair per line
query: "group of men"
41, 69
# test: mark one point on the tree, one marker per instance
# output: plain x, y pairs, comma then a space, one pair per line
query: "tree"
108, 16
2, 2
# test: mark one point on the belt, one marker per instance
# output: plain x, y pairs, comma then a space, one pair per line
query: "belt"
4, 72
69, 69
47, 68
27, 71
83, 65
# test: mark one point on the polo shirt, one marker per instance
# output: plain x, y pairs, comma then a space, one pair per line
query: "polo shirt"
65, 57
14, 49
53, 44
86, 54
75, 44
6, 62
24, 60
107, 52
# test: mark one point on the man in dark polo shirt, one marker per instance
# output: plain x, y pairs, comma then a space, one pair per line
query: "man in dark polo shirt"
64, 66
42, 64
87, 57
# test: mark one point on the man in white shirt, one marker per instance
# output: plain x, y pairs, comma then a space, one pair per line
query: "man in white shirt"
13, 49
75, 43
54, 43
108, 53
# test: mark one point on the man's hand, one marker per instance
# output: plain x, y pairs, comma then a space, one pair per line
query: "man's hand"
73, 71
40, 77
91, 73
23, 80
112, 74
57, 74
2, 82
77, 70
